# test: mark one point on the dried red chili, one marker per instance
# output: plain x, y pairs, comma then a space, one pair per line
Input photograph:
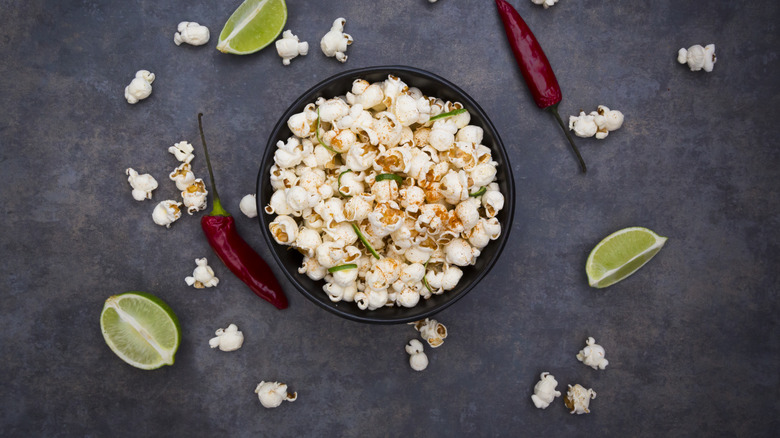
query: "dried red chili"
535, 67
245, 263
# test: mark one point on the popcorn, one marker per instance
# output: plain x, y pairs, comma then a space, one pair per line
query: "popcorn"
166, 213
459, 252
417, 358
182, 176
228, 339
544, 391
182, 151
272, 394
545, 3
431, 331
248, 205
195, 196
288, 47
583, 125
578, 399
203, 276
335, 42
593, 355
191, 33
142, 185
140, 87
284, 230
698, 57
367, 96
598, 123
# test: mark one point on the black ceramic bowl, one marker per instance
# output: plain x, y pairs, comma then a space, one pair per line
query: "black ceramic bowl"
290, 259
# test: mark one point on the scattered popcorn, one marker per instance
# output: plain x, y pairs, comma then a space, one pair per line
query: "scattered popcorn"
272, 394
191, 33
698, 57
546, 3
544, 391
578, 399
248, 205
182, 151
607, 120
229, 339
183, 176
166, 213
593, 355
583, 125
202, 276
288, 47
142, 185
195, 196
140, 87
431, 331
335, 42
598, 123
417, 358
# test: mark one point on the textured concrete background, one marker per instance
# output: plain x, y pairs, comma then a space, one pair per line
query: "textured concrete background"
692, 339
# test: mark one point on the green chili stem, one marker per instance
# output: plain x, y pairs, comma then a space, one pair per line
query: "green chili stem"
554, 109
217, 209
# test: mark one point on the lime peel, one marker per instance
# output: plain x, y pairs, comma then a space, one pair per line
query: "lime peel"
141, 329
252, 26
621, 254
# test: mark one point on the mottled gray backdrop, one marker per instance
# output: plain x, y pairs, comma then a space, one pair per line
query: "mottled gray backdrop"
692, 338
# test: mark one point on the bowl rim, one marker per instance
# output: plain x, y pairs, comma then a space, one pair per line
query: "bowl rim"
497, 147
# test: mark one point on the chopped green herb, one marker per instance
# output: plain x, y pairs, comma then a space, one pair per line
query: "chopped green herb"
342, 267
448, 114
318, 134
479, 192
386, 176
365, 241
424, 279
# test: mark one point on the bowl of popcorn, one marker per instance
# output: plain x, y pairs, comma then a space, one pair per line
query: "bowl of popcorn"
385, 194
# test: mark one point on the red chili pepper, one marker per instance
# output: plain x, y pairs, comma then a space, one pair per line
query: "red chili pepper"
220, 229
535, 67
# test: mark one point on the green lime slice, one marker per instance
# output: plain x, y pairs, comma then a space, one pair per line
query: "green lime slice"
621, 254
141, 329
254, 25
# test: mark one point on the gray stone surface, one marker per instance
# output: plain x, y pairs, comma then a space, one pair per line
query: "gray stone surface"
692, 338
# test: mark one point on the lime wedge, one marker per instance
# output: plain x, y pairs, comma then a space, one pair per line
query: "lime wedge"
141, 329
254, 25
621, 254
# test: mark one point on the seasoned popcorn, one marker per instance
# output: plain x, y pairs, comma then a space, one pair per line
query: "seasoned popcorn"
371, 168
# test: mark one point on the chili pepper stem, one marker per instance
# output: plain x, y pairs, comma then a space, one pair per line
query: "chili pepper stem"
554, 109
217, 209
